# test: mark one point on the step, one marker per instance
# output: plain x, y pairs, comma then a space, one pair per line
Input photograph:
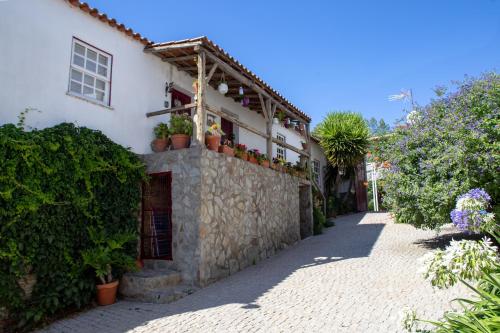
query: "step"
165, 295
145, 280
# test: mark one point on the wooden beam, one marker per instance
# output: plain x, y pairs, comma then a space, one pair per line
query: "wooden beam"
211, 73
248, 82
235, 121
161, 48
165, 111
264, 110
292, 148
200, 100
176, 59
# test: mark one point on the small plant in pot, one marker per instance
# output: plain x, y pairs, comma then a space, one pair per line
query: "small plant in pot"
281, 116
160, 143
227, 147
181, 129
253, 156
107, 255
213, 136
304, 145
264, 160
240, 151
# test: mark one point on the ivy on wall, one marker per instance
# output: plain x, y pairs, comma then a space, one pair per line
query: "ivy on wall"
54, 184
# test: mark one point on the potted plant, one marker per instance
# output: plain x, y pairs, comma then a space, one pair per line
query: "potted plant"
227, 148
281, 116
304, 145
160, 142
263, 160
253, 156
240, 151
212, 137
287, 122
106, 255
181, 129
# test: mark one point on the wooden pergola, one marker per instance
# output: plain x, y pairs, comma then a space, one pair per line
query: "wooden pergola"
207, 62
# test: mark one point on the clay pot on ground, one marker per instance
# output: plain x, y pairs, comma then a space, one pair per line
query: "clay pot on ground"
106, 293
225, 149
212, 142
180, 141
265, 164
159, 145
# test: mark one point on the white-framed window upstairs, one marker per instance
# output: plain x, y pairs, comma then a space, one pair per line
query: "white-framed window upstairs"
316, 171
280, 150
90, 73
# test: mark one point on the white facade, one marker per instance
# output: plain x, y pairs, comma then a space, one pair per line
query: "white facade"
317, 155
37, 38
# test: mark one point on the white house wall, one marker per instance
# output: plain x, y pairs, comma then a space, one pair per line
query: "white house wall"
36, 38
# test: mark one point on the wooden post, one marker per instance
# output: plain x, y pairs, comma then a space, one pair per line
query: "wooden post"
200, 119
269, 109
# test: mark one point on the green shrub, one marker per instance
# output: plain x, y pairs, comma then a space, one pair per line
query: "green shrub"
318, 220
450, 147
181, 124
54, 184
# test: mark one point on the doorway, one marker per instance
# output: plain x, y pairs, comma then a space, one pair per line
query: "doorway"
156, 221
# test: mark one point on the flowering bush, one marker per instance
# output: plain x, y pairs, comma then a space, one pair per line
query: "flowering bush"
450, 147
470, 212
215, 130
466, 259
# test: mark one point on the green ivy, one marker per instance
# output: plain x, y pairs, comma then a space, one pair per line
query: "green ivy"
55, 183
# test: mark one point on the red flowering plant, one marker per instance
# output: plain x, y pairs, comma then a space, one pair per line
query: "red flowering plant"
254, 152
240, 150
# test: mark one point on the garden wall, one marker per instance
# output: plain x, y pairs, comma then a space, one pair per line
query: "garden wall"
227, 213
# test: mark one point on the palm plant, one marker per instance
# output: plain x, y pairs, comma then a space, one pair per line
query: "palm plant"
344, 139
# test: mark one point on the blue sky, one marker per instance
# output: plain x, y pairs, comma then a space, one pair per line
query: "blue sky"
335, 55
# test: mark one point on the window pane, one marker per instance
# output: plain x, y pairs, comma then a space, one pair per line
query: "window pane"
103, 60
91, 55
99, 96
88, 91
102, 70
90, 65
77, 60
100, 84
79, 49
75, 87
89, 80
76, 75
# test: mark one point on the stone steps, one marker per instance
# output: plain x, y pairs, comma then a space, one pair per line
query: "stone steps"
154, 286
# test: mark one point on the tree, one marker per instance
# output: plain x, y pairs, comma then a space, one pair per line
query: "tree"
450, 147
344, 138
378, 128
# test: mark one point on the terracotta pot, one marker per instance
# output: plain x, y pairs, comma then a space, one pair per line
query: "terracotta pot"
212, 142
159, 145
265, 164
106, 293
252, 159
180, 141
304, 145
139, 263
225, 149
243, 156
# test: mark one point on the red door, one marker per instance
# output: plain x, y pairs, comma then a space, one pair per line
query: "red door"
228, 129
156, 224
179, 98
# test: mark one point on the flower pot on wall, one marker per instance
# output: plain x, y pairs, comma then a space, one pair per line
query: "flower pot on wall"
265, 164
106, 293
159, 145
180, 141
252, 159
213, 142
225, 149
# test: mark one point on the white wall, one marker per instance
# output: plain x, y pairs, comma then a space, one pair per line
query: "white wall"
36, 38
318, 154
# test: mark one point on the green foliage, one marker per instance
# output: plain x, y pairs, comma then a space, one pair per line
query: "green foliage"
450, 147
181, 124
318, 220
108, 253
344, 138
161, 131
378, 128
54, 184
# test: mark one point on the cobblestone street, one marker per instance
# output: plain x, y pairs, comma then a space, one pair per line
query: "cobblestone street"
356, 277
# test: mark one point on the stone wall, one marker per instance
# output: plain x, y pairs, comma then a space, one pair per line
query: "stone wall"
247, 213
227, 213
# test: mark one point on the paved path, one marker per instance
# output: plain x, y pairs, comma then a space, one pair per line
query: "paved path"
357, 277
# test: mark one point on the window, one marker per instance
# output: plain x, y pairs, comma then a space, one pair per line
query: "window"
90, 73
316, 171
280, 150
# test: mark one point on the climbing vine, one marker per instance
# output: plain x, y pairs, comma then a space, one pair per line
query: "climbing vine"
54, 184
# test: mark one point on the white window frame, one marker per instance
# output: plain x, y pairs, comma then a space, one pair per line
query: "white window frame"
280, 150
86, 73
316, 170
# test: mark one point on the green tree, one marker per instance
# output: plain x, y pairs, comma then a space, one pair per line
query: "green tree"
344, 138
378, 127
